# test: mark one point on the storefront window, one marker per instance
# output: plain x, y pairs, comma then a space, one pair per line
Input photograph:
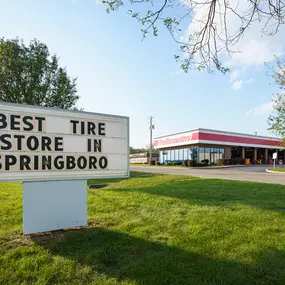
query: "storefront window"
197, 154
222, 153
207, 153
180, 154
161, 158
176, 154
165, 156
201, 154
185, 153
194, 154
171, 155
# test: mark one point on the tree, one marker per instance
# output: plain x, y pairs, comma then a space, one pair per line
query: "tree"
137, 150
277, 119
30, 75
216, 26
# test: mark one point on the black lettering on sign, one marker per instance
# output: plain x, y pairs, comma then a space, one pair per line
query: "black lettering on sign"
40, 123
91, 128
103, 162
97, 145
19, 141
14, 123
92, 162
10, 160
58, 144
3, 139
25, 162
74, 126
70, 162
82, 128
33, 143
46, 162
89, 145
82, 162
3, 121
101, 131
46, 142
59, 164
29, 125
36, 162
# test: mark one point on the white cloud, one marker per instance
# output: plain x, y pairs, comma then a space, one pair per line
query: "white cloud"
248, 81
237, 85
260, 110
255, 51
234, 74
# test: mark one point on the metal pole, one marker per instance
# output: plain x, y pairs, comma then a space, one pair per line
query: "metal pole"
151, 127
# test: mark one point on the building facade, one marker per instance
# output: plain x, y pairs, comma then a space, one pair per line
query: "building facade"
143, 157
201, 144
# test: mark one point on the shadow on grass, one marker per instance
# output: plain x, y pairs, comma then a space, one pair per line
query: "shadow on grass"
133, 174
129, 258
216, 192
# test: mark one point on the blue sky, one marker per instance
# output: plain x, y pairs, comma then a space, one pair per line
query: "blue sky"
118, 73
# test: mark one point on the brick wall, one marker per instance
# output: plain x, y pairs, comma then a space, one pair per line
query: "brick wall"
228, 152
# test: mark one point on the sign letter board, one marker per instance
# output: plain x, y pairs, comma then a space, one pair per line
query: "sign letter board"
39, 144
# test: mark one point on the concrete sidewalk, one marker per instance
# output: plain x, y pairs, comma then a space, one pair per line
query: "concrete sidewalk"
248, 173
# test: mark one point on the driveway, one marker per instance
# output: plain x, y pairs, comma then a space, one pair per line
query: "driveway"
247, 173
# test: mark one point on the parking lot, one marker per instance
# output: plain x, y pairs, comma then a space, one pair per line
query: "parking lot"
247, 173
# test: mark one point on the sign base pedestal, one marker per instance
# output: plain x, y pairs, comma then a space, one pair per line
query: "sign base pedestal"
54, 205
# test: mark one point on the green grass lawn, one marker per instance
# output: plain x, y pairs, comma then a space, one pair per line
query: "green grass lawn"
154, 229
278, 169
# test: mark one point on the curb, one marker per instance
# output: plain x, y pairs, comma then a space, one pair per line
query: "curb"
221, 167
276, 172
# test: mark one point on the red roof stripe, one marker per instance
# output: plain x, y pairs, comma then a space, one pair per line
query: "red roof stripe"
236, 139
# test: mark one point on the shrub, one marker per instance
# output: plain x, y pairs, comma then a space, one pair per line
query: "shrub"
199, 164
152, 162
171, 163
204, 163
157, 163
185, 162
192, 163
221, 161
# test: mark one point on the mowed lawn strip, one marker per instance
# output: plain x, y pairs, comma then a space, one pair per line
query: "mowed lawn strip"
154, 229
278, 169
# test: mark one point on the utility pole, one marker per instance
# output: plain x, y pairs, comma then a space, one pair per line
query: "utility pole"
151, 127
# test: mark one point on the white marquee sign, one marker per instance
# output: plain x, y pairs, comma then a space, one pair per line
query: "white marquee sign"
44, 143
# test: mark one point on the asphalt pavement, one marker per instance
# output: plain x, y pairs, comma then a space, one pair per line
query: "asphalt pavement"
243, 173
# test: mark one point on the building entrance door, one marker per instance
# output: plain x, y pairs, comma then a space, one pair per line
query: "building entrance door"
214, 156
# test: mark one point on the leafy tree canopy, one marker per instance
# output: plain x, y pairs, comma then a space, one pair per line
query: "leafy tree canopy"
277, 119
30, 75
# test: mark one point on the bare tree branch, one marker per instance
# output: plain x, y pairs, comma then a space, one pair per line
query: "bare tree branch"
209, 32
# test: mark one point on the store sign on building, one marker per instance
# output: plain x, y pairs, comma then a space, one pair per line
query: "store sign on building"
174, 140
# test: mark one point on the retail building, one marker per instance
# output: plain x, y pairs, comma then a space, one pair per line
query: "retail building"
201, 144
